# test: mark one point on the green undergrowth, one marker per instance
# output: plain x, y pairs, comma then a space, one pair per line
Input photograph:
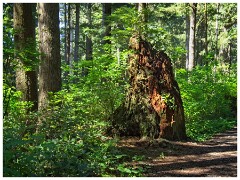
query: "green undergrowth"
203, 130
209, 97
70, 141
66, 144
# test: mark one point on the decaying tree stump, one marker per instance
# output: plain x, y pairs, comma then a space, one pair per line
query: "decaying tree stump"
153, 105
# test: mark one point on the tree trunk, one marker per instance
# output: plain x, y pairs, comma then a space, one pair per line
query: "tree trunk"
206, 31
68, 35
88, 37
230, 57
142, 12
153, 105
106, 12
187, 37
223, 55
65, 32
25, 46
199, 36
192, 36
216, 30
76, 48
142, 15
50, 60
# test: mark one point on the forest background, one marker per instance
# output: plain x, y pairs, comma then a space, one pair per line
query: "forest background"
71, 140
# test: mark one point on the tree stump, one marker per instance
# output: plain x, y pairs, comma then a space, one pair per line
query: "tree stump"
153, 105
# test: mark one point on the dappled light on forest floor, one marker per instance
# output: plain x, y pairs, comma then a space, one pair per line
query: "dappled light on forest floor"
216, 157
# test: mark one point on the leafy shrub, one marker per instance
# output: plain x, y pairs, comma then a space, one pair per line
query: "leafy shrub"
202, 130
70, 140
66, 144
209, 99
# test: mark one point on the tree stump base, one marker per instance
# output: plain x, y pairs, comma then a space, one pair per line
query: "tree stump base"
153, 105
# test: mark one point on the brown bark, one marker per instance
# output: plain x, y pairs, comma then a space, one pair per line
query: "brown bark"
24, 39
153, 105
88, 38
89, 45
50, 60
76, 48
106, 12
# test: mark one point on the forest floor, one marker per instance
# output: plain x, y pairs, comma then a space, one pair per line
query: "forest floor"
216, 157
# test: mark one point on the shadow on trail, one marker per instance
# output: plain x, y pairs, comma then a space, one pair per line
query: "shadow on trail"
215, 157
223, 165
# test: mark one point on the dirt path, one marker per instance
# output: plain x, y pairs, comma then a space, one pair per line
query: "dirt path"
216, 157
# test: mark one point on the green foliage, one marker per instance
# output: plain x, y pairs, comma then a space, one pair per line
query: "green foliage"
70, 140
28, 56
8, 56
209, 99
129, 171
169, 100
202, 130
168, 33
126, 16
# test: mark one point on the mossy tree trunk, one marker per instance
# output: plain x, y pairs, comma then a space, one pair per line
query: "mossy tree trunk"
153, 105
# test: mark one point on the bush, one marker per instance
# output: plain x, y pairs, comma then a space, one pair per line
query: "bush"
66, 144
70, 140
209, 99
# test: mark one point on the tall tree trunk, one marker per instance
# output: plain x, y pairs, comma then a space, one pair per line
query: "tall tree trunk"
142, 12
76, 48
106, 12
192, 33
65, 32
50, 60
25, 46
69, 35
88, 37
153, 105
199, 36
107, 48
206, 31
187, 36
230, 57
216, 45
216, 30
143, 18
223, 55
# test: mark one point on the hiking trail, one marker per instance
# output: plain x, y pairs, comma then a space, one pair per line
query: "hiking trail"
216, 157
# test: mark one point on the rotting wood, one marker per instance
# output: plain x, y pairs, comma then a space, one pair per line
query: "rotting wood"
153, 105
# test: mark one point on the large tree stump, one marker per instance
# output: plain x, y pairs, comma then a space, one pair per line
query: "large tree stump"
153, 105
